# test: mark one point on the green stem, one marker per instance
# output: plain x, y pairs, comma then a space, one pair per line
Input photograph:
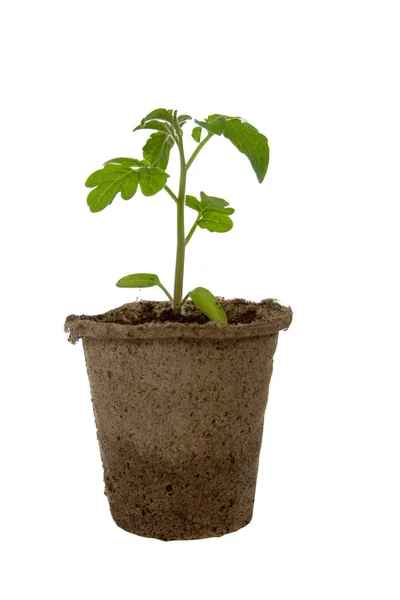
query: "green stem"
199, 147
180, 248
191, 232
171, 193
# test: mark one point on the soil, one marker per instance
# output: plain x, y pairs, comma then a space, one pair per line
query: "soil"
239, 311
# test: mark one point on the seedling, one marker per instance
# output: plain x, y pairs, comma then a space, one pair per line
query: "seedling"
125, 175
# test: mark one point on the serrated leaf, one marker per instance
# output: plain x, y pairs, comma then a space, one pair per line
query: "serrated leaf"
214, 124
164, 114
109, 182
138, 280
102, 196
212, 201
250, 142
192, 202
216, 222
196, 134
117, 173
157, 125
244, 136
157, 149
129, 185
128, 162
216, 116
151, 180
215, 204
115, 178
208, 304
183, 119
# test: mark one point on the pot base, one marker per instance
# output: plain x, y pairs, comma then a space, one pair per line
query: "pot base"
173, 494
173, 534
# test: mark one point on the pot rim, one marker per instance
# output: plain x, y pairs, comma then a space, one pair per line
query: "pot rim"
271, 317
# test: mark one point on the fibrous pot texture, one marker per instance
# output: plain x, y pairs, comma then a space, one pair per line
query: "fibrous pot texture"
179, 410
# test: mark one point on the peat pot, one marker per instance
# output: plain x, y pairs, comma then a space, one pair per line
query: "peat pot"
179, 410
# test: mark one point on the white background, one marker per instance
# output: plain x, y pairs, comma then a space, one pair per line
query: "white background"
321, 80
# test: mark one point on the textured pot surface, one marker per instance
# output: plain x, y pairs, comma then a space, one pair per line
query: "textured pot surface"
179, 410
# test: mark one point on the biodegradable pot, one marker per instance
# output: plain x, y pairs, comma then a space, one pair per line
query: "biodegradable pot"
179, 410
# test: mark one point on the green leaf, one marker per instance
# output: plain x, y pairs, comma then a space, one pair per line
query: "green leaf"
213, 212
163, 119
212, 201
196, 134
120, 178
158, 125
244, 136
157, 149
183, 119
208, 304
215, 204
109, 182
142, 280
215, 222
151, 180
128, 162
138, 280
129, 185
113, 174
102, 196
192, 202
250, 142
214, 124
163, 114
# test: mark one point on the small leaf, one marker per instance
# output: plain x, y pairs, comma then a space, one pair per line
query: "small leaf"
157, 149
215, 222
128, 162
208, 304
212, 201
138, 280
192, 202
196, 134
183, 118
215, 204
151, 180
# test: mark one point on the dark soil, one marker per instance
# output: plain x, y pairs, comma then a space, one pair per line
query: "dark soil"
145, 311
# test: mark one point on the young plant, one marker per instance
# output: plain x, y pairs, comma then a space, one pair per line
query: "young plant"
125, 175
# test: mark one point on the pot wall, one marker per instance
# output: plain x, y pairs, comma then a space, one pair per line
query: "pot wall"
180, 425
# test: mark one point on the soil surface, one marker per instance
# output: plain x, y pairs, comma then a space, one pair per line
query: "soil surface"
146, 311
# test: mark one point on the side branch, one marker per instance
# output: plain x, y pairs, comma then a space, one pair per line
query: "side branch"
191, 232
171, 193
199, 147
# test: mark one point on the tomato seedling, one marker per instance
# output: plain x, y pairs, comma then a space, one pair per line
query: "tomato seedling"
124, 176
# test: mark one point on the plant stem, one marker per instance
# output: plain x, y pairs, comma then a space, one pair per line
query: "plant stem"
171, 193
180, 248
199, 147
191, 232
